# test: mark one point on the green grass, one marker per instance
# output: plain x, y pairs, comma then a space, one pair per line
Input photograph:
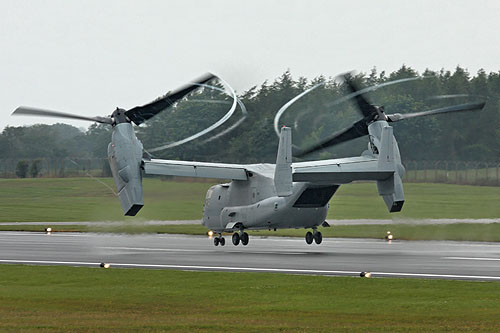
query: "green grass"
74, 299
84, 199
361, 201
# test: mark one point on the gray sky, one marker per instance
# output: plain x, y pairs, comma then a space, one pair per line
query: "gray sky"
89, 57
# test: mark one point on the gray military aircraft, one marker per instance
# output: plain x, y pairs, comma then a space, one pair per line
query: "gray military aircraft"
265, 196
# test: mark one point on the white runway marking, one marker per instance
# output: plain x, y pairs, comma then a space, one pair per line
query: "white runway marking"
253, 269
470, 258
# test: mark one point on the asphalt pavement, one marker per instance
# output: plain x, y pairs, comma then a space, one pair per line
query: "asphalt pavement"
337, 257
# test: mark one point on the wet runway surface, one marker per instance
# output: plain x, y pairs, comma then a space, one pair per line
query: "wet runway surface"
347, 257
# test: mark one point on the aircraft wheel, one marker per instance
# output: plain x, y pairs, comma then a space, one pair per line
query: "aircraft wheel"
236, 238
244, 238
222, 241
309, 237
318, 237
216, 241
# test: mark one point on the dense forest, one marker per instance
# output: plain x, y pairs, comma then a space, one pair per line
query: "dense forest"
470, 136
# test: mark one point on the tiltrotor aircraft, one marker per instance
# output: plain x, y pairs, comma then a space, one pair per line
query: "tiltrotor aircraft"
264, 196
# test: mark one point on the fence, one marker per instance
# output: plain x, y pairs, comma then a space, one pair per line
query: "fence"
59, 167
452, 172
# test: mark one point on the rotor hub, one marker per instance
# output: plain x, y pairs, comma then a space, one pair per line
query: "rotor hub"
119, 116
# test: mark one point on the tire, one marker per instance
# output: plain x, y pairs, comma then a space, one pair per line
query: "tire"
318, 237
244, 238
216, 241
236, 239
309, 237
222, 241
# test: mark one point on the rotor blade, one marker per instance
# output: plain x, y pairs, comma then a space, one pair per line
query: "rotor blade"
29, 111
287, 104
365, 107
454, 108
373, 88
139, 114
357, 130
212, 127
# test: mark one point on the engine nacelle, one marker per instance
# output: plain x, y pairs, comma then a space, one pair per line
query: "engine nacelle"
389, 159
125, 158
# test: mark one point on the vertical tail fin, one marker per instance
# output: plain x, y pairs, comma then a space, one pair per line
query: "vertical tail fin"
283, 171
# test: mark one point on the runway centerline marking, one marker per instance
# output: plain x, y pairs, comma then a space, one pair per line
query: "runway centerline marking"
253, 269
472, 258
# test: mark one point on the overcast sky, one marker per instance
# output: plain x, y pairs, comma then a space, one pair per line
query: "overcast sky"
89, 57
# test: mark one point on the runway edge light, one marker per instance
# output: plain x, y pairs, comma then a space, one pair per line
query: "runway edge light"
105, 265
365, 274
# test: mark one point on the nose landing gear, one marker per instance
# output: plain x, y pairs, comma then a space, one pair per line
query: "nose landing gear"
219, 240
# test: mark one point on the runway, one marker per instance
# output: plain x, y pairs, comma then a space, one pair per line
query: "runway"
331, 222
336, 257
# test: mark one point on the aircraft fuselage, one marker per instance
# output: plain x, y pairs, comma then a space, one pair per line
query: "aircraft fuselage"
254, 204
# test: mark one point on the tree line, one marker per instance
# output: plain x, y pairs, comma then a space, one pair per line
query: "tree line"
470, 136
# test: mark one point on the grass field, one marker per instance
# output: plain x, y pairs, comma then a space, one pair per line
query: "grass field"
54, 299
84, 199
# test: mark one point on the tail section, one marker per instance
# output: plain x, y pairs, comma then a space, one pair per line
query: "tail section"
283, 171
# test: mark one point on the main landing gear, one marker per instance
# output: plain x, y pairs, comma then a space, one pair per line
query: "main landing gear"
315, 235
219, 240
240, 236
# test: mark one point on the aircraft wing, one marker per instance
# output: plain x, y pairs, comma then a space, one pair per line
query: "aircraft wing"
195, 169
340, 171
